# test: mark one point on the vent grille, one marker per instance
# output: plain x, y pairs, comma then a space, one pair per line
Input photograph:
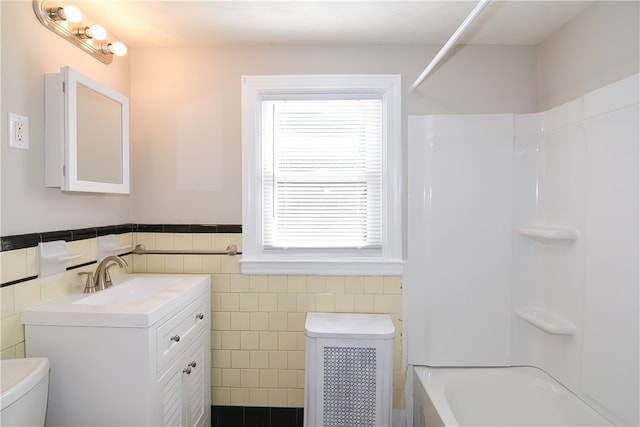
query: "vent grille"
349, 387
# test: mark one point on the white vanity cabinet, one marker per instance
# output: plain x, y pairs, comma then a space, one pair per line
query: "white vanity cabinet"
108, 372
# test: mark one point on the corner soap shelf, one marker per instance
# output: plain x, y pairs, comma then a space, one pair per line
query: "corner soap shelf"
547, 233
53, 257
548, 322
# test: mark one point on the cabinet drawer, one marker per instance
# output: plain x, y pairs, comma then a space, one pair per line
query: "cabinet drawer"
177, 333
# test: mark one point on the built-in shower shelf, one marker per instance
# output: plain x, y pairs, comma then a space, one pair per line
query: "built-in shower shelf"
547, 321
546, 233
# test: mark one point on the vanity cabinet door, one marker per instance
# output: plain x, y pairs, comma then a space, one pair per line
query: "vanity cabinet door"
196, 389
183, 388
170, 392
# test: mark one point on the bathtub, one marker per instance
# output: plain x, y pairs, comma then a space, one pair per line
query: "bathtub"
515, 396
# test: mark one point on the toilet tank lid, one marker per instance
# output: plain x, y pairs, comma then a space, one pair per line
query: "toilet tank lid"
18, 376
349, 325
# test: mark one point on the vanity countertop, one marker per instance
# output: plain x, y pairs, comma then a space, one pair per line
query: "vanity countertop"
134, 301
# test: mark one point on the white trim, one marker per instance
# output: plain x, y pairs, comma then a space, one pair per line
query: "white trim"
327, 267
74, 78
257, 88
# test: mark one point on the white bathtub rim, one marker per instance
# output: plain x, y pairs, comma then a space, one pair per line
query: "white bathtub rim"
432, 379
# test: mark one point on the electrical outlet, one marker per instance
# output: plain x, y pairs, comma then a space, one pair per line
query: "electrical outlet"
18, 128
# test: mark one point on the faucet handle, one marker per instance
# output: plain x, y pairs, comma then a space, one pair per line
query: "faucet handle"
90, 285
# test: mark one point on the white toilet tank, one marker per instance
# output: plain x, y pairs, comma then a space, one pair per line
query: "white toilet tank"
24, 390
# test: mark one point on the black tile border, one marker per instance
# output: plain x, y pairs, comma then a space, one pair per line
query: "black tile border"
114, 229
286, 417
148, 228
84, 233
23, 241
176, 228
253, 416
188, 228
257, 417
230, 228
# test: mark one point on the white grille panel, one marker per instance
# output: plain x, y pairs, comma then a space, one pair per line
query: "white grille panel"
349, 392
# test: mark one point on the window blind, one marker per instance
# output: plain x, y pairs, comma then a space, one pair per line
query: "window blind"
322, 173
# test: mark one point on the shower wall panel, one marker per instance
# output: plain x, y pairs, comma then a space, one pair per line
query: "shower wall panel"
459, 244
611, 359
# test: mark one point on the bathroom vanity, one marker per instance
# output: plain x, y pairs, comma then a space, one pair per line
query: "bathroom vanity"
134, 354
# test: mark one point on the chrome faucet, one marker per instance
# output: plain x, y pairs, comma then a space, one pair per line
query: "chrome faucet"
102, 276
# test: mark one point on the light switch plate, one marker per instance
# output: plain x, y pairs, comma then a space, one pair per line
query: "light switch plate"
18, 128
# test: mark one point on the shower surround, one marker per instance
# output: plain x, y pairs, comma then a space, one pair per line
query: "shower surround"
523, 244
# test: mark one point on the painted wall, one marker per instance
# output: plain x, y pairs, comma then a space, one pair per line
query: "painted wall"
186, 130
599, 46
29, 50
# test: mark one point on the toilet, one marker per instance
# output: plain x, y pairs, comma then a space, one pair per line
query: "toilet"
24, 390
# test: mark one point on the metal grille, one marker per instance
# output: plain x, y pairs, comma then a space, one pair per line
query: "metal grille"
349, 387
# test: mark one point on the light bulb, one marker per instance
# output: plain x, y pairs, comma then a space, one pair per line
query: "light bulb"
71, 13
98, 32
118, 49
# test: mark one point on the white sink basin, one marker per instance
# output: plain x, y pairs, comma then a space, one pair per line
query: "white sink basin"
134, 300
130, 292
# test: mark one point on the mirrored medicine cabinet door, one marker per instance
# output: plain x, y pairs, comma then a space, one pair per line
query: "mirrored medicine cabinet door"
87, 134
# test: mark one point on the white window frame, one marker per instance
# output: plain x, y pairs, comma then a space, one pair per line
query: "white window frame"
256, 260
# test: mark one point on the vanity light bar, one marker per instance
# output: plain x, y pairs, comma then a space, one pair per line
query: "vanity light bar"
67, 22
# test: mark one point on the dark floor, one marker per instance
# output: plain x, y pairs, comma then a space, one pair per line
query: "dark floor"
246, 416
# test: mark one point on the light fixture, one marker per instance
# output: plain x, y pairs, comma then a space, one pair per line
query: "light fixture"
68, 22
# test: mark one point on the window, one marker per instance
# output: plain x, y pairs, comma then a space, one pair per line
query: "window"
321, 175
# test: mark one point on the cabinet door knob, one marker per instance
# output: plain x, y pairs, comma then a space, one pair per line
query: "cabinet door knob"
200, 316
193, 364
175, 338
187, 370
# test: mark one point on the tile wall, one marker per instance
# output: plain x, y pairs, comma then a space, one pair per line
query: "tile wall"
257, 334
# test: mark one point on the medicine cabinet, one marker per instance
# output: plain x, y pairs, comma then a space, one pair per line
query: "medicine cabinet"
86, 134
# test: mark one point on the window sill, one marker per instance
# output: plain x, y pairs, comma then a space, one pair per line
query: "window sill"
369, 267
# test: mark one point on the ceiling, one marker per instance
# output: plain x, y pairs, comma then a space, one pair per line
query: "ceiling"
146, 23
